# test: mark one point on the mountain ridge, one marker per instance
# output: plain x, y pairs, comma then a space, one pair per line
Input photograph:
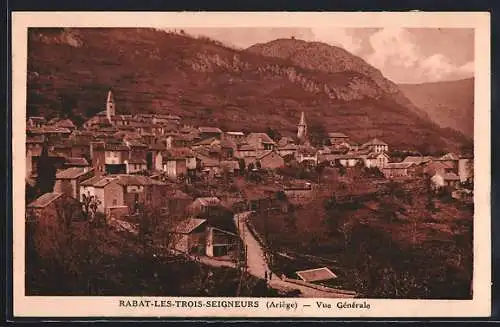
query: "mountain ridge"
209, 84
448, 103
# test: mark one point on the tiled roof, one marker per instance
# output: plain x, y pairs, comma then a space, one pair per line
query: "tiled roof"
337, 134
188, 225
375, 141
135, 144
207, 161
116, 147
374, 155
126, 180
235, 133
265, 154
398, 165
66, 123
288, 147
207, 141
55, 129
37, 139
449, 156
207, 129
417, 159
306, 150
228, 144
207, 201
98, 181
178, 153
135, 160
451, 177
179, 195
44, 200
71, 173
247, 147
253, 138
76, 161
316, 275
230, 164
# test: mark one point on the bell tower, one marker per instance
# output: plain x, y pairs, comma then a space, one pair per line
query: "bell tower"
110, 106
302, 128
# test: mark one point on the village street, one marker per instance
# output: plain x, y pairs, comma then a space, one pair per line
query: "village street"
257, 265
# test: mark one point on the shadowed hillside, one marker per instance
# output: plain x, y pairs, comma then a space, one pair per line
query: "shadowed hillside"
210, 84
449, 104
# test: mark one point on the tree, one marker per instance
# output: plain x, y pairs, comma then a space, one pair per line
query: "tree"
90, 204
241, 164
68, 103
273, 133
317, 134
46, 172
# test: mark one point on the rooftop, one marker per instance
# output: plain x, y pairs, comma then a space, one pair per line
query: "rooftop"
71, 173
337, 134
76, 161
188, 225
44, 200
375, 141
98, 181
206, 129
316, 275
398, 165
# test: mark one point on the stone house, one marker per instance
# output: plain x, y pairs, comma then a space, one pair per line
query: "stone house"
36, 122
337, 138
288, 149
307, 154
203, 205
376, 159
260, 142
448, 181
271, 160
77, 162
68, 180
106, 189
466, 169
299, 192
44, 219
398, 170
234, 136
376, 145
189, 236
208, 132
135, 165
245, 150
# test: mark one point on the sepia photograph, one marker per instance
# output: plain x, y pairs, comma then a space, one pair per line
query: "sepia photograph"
251, 162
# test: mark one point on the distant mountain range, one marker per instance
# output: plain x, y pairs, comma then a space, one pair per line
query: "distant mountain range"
449, 104
207, 83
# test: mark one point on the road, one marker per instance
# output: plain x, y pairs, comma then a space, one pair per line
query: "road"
257, 265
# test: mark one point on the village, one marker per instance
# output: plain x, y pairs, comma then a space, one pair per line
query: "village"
204, 184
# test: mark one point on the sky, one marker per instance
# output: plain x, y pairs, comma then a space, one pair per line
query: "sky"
411, 55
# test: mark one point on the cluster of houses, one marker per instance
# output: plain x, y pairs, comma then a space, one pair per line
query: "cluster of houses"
127, 160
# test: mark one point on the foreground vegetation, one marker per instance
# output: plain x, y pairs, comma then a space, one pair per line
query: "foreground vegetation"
405, 244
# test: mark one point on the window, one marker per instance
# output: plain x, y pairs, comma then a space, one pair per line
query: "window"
115, 202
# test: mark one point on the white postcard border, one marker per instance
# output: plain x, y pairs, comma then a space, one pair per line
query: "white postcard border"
479, 306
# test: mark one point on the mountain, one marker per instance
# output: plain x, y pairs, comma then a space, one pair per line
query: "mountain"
449, 104
326, 58
207, 83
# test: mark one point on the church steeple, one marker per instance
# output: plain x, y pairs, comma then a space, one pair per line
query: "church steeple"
110, 106
302, 128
